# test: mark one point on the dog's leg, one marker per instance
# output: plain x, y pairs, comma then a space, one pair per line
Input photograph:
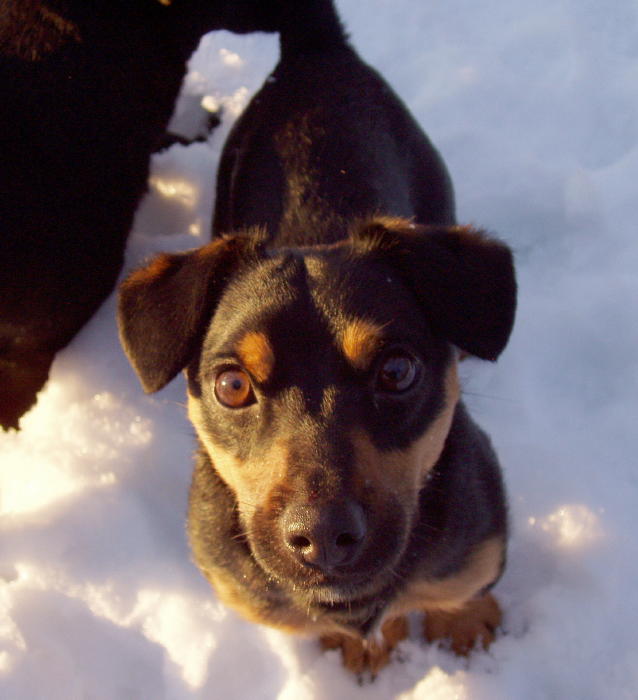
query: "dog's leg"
360, 655
392, 632
353, 652
476, 620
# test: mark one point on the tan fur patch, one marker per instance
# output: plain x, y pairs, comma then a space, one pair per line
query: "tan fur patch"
476, 620
161, 263
452, 593
403, 471
360, 342
249, 481
149, 273
256, 355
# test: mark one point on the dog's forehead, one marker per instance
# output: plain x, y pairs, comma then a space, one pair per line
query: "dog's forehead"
311, 328
300, 299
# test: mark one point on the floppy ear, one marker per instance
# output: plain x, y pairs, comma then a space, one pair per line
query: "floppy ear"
164, 307
462, 278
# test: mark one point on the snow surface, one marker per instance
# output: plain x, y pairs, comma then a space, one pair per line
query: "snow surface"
534, 106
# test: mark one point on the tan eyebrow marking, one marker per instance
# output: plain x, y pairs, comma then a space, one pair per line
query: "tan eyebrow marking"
360, 342
256, 355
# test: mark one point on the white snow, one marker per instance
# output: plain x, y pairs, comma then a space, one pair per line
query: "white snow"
534, 106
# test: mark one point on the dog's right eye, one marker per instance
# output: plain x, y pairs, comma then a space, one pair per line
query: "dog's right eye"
233, 388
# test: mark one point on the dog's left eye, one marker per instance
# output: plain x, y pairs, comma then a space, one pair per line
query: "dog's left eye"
233, 388
397, 372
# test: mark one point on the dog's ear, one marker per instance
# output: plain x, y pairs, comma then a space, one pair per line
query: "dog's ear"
164, 307
463, 279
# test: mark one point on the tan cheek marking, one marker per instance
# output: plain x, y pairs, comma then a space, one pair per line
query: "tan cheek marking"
250, 481
227, 465
403, 471
257, 355
360, 342
450, 594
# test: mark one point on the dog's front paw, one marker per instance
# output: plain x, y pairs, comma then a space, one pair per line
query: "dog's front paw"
368, 656
353, 651
476, 620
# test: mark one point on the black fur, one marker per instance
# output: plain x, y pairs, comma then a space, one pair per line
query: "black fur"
326, 141
87, 90
163, 319
464, 278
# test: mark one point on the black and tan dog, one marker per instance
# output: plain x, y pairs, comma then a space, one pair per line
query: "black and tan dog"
340, 482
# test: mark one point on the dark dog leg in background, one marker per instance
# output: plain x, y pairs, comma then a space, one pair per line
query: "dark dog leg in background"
87, 91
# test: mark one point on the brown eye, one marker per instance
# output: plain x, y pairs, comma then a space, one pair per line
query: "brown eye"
233, 389
397, 373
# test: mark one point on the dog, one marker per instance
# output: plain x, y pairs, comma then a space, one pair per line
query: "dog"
88, 89
340, 482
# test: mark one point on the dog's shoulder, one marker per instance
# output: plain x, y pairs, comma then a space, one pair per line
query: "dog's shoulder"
464, 499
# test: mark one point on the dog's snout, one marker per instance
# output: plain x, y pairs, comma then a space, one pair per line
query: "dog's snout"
325, 536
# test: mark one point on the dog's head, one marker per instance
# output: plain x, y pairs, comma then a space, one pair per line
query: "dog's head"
322, 381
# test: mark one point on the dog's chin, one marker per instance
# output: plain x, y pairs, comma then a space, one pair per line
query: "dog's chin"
316, 589
343, 596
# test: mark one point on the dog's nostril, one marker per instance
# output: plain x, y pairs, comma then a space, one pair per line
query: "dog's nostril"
300, 542
346, 540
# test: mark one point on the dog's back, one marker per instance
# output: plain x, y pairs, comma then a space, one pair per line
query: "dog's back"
283, 169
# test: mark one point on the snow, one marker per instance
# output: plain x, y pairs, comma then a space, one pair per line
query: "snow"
535, 109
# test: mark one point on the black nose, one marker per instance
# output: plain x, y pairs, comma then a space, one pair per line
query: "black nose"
325, 536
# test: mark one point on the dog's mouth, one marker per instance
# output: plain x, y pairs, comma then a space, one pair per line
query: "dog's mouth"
344, 599
355, 608
347, 590
329, 588
330, 593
